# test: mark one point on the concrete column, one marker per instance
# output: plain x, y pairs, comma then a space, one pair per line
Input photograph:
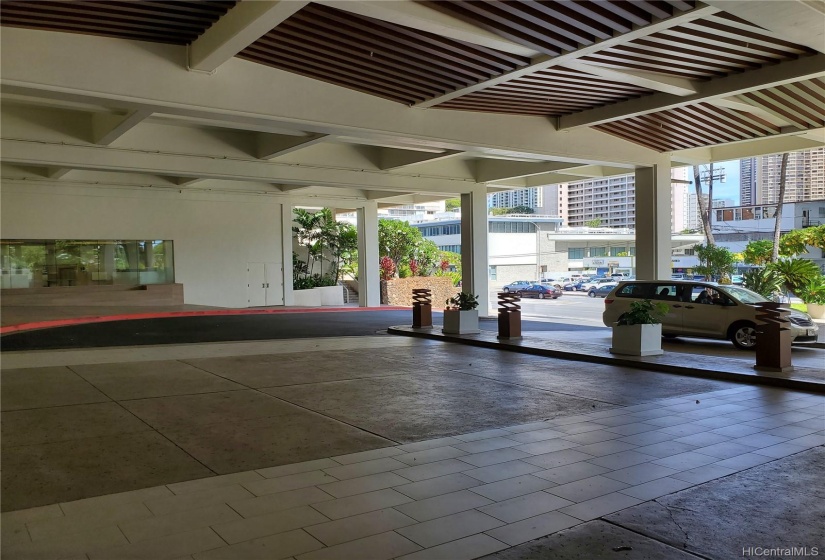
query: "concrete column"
653, 222
474, 269
286, 251
369, 278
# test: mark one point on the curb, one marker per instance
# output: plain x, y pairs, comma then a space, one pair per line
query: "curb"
597, 355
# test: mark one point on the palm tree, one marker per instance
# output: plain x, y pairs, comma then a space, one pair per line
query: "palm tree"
704, 210
783, 172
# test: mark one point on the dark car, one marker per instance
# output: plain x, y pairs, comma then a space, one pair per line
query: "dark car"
540, 291
601, 291
574, 286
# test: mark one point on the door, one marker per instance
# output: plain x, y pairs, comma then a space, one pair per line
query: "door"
256, 284
708, 313
274, 281
265, 284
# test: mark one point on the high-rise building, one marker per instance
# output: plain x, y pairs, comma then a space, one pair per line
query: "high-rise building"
748, 186
611, 200
530, 197
805, 179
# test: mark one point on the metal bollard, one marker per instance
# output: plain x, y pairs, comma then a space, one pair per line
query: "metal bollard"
509, 315
422, 308
773, 338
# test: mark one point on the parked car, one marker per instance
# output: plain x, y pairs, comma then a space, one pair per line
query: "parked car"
516, 286
595, 282
574, 286
601, 290
703, 310
737, 279
541, 291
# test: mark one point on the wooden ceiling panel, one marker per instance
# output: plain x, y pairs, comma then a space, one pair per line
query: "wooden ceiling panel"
377, 57
175, 22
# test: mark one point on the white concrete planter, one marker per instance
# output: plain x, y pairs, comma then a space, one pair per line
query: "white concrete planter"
306, 298
460, 322
816, 311
331, 295
637, 340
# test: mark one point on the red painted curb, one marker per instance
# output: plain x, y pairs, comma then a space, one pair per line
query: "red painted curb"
163, 314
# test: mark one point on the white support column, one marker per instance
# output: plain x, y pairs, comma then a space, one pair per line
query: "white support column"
653, 222
286, 245
369, 285
474, 247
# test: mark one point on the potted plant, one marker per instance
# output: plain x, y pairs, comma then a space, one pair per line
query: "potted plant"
461, 314
813, 295
638, 332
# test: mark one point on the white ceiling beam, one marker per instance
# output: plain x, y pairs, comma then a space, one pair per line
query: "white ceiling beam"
290, 188
187, 181
792, 142
489, 170
107, 128
418, 16
57, 172
798, 21
57, 154
392, 158
543, 62
735, 84
649, 80
271, 146
244, 24
740, 104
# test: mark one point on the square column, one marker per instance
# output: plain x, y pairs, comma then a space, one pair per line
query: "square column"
653, 222
286, 251
369, 278
474, 277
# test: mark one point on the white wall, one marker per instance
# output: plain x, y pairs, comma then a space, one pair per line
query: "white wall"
214, 236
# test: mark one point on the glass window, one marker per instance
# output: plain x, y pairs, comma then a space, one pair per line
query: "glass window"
577, 253
667, 292
61, 262
598, 251
493, 273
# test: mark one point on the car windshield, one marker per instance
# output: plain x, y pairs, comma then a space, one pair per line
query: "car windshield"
744, 295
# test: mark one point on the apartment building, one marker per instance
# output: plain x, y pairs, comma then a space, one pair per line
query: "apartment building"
805, 179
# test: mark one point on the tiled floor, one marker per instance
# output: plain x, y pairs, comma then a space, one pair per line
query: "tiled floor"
462, 496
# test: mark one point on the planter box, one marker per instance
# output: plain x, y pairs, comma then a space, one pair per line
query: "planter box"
460, 322
816, 311
331, 295
637, 340
306, 298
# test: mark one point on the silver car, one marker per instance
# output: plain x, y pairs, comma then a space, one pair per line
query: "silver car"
703, 310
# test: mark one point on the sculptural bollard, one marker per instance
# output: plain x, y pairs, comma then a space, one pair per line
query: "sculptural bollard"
422, 308
773, 338
509, 315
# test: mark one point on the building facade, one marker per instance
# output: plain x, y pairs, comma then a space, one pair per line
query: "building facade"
805, 178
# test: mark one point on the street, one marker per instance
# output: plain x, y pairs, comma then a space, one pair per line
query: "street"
572, 308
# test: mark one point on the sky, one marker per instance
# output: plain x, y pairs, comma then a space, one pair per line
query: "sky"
729, 189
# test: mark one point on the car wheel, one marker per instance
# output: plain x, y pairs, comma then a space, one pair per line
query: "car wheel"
506, 290
743, 335
541, 296
591, 294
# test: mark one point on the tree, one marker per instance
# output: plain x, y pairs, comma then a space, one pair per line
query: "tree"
522, 210
714, 261
797, 241
595, 222
704, 212
758, 252
783, 172
398, 241
452, 204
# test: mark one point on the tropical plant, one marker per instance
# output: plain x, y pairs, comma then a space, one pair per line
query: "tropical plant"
462, 301
795, 273
323, 240
595, 222
387, 268
764, 281
644, 312
814, 291
714, 261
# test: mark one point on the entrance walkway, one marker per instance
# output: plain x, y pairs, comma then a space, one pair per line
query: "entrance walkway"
372, 446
